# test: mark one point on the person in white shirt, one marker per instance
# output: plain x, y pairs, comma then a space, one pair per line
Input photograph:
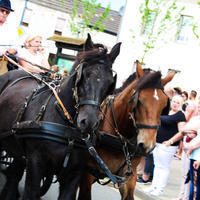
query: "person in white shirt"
7, 31
9, 37
34, 53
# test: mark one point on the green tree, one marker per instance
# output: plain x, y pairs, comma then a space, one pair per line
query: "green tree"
158, 18
84, 17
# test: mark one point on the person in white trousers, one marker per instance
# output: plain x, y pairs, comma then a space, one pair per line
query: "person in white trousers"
163, 154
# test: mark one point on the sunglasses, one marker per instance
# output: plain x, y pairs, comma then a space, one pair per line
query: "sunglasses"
7, 12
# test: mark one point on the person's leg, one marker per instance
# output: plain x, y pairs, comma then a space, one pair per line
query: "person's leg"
185, 187
148, 167
192, 180
162, 160
198, 185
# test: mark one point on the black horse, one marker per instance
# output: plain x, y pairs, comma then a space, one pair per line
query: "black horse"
42, 127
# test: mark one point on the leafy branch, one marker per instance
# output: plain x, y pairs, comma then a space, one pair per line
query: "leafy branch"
84, 17
158, 17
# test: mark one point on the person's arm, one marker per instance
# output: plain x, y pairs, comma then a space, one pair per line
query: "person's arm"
45, 63
189, 111
29, 67
193, 144
174, 139
12, 51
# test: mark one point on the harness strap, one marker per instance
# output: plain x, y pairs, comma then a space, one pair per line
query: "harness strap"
93, 153
15, 81
23, 108
112, 112
53, 89
89, 102
147, 126
43, 108
46, 130
6, 134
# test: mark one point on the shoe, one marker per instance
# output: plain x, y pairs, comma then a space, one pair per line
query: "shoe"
156, 192
141, 180
149, 189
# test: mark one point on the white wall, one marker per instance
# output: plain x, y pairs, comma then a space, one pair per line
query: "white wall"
184, 57
43, 22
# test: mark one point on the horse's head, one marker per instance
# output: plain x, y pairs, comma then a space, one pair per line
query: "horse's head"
148, 102
94, 81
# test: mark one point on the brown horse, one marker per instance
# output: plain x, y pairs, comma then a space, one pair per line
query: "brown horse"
136, 116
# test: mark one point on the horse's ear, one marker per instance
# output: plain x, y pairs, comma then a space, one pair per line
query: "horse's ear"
88, 44
114, 52
168, 78
139, 70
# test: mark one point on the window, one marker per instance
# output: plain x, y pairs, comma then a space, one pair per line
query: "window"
185, 29
149, 23
60, 24
27, 17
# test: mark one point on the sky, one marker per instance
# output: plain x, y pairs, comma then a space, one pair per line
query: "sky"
115, 4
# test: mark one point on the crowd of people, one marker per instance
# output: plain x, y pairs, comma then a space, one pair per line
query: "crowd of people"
179, 133
30, 56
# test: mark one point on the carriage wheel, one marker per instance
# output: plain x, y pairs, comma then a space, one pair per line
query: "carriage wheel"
45, 184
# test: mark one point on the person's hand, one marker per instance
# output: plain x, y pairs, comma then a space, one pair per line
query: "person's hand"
168, 143
11, 51
41, 50
196, 164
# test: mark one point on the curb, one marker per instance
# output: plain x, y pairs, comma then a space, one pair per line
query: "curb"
140, 194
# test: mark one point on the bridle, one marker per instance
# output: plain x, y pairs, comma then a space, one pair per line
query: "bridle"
134, 100
78, 72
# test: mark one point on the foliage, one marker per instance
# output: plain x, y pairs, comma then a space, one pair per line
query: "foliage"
84, 17
158, 17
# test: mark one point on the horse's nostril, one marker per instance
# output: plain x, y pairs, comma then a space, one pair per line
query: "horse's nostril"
141, 146
84, 123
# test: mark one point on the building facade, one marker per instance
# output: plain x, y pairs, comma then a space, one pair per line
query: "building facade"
50, 17
180, 53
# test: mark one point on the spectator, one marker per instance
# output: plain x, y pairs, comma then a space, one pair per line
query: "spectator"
55, 68
34, 53
193, 146
162, 154
65, 72
185, 161
178, 91
191, 109
185, 98
184, 94
8, 34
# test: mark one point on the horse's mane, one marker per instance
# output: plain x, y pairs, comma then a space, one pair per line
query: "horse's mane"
97, 52
129, 80
149, 80
93, 54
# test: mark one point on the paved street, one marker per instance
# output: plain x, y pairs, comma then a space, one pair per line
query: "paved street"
98, 193
109, 193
